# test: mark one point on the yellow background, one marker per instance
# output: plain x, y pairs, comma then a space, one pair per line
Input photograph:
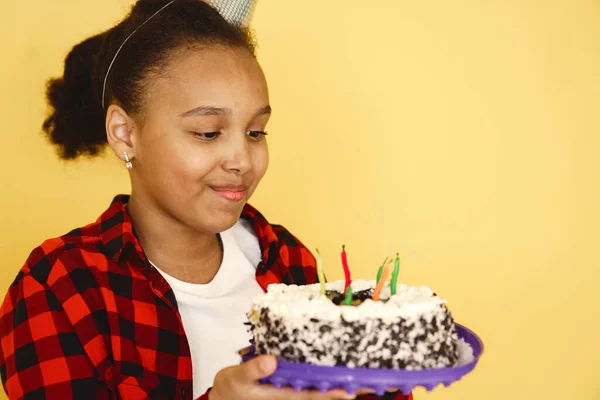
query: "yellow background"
463, 134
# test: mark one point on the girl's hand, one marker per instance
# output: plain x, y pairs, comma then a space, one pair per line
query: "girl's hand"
241, 382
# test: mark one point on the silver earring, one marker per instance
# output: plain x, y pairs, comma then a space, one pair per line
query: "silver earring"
128, 163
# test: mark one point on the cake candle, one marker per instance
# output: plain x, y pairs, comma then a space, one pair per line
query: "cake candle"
380, 271
394, 280
320, 272
384, 275
346, 268
348, 298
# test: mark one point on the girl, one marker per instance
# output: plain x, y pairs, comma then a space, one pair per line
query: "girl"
149, 301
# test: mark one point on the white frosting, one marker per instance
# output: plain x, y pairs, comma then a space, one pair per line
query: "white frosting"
465, 353
412, 329
304, 302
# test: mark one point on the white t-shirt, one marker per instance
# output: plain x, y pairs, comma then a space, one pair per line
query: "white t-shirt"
213, 314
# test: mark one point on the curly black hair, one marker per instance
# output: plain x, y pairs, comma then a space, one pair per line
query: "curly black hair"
76, 124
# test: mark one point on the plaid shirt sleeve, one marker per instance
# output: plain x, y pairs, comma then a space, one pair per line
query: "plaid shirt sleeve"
42, 356
55, 339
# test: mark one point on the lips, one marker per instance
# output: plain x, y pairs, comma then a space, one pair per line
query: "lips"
231, 193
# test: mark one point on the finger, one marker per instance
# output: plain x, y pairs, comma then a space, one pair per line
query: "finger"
255, 369
364, 391
340, 394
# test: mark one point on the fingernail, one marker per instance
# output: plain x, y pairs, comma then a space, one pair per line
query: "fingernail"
266, 364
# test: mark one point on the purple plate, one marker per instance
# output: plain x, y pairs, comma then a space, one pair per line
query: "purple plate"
307, 376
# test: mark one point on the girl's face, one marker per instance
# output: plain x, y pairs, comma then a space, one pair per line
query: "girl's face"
201, 150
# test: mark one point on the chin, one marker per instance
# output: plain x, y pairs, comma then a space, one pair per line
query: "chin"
218, 220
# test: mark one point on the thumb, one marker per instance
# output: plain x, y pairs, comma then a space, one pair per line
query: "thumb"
257, 368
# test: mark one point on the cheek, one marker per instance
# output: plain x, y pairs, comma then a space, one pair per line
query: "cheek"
175, 167
193, 166
260, 162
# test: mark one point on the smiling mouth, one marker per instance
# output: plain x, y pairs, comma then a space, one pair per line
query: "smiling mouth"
234, 194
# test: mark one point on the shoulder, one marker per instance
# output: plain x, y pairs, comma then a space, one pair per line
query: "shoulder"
53, 304
61, 282
266, 230
268, 233
58, 263
64, 259
281, 248
84, 248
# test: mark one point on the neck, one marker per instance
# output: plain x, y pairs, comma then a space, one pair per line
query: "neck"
177, 249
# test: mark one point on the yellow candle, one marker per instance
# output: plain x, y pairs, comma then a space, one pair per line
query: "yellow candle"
320, 273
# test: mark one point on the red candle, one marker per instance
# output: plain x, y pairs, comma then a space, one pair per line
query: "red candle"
346, 269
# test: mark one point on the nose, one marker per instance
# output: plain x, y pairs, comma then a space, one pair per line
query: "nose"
238, 155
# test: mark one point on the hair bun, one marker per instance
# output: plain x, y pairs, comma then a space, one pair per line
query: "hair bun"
76, 122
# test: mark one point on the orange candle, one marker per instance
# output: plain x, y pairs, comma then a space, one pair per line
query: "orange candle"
384, 275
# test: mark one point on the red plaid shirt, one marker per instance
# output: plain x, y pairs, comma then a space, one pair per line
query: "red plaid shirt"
87, 317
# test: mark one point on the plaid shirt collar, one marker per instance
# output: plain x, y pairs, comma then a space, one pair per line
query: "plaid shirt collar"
116, 230
118, 237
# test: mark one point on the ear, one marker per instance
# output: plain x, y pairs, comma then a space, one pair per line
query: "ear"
120, 131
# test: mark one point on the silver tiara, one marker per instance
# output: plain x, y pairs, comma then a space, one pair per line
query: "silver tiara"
236, 12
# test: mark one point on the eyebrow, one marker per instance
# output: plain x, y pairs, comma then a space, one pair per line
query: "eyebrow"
208, 110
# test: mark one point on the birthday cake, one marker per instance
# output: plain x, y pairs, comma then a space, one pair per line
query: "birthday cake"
366, 326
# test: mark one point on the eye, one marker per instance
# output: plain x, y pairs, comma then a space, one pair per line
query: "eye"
256, 134
207, 136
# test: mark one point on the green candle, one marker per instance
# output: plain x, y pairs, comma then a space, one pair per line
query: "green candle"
348, 299
394, 280
380, 270
320, 273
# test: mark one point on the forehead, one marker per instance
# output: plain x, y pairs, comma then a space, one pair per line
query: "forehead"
210, 76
